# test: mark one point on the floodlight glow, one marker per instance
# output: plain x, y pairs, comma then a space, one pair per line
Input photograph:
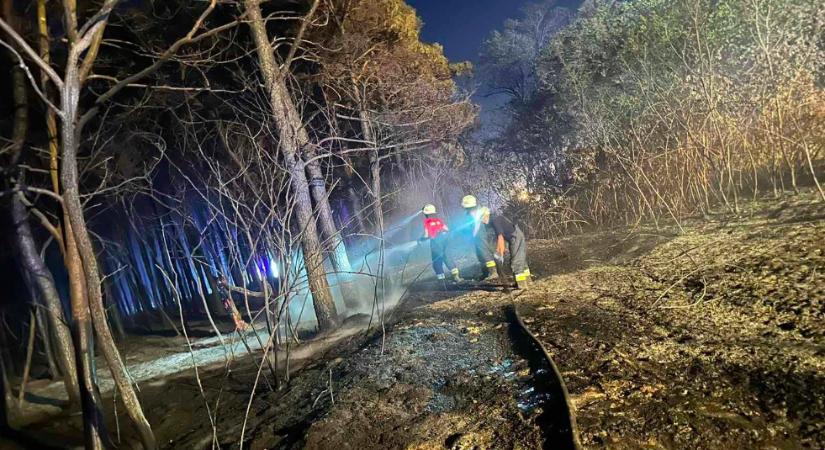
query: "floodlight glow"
477, 215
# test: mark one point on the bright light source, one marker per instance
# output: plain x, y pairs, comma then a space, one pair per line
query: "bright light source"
273, 269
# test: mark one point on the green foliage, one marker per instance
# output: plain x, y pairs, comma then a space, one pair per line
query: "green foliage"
657, 107
372, 60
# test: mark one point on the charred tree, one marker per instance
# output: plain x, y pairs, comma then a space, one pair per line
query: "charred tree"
288, 123
87, 300
375, 170
42, 279
39, 275
332, 236
355, 200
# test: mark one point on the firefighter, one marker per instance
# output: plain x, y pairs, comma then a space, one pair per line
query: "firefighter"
436, 231
482, 238
508, 233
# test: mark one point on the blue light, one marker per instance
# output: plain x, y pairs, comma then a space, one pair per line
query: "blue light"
272, 263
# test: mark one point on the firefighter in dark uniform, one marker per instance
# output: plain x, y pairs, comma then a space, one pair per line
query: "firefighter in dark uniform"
436, 231
508, 233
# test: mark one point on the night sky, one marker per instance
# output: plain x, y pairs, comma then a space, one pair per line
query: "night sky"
462, 25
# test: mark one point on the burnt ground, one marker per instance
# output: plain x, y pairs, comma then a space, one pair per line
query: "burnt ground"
432, 380
706, 337
709, 339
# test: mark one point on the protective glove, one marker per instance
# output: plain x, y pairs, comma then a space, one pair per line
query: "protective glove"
499, 258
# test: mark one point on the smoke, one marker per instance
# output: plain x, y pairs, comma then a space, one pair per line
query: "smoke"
384, 267
379, 276
385, 274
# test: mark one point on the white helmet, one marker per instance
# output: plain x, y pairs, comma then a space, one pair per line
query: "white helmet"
469, 201
428, 209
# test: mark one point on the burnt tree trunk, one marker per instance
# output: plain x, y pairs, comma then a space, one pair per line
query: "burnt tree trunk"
5, 391
28, 364
375, 171
91, 404
41, 277
332, 236
45, 337
93, 306
30, 259
357, 206
377, 205
354, 196
288, 123
214, 300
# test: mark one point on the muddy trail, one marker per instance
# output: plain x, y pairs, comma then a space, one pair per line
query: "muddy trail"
706, 337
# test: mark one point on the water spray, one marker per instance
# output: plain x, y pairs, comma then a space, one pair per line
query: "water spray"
400, 225
405, 247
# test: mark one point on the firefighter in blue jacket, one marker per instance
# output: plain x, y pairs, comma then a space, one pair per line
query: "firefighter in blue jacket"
482, 238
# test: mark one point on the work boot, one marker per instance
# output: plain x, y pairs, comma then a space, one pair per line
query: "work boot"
487, 276
523, 280
489, 272
490, 275
456, 276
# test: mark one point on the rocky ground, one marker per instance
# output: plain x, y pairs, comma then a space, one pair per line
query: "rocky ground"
709, 336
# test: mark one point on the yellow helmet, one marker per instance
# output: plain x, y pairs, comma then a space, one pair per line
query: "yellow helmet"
428, 209
469, 201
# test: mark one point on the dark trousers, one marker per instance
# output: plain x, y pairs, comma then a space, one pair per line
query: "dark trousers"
518, 254
440, 254
485, 248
